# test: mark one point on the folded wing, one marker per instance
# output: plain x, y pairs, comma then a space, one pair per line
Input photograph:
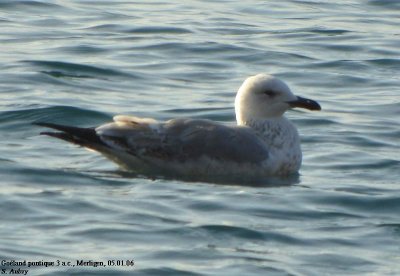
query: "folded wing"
183, 140
177, 140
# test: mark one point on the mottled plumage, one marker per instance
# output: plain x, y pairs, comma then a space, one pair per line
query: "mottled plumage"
263, 143
185, 139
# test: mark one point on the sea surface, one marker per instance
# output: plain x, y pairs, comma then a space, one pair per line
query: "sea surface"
80, 62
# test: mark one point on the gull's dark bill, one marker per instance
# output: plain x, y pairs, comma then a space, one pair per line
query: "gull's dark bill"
305, 103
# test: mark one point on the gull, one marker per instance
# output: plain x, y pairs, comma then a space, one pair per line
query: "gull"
262, 143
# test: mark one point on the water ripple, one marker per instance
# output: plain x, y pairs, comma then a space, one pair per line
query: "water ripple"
68, 69
159, 30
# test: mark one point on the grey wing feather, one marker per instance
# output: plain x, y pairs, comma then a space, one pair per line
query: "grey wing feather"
137, 139
179, 139
186, 139
190, 139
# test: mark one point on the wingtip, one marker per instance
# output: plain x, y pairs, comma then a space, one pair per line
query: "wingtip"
46, 133
64, 136
44, 124
81, 136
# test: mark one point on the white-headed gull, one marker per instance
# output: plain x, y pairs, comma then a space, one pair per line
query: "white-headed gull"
263, 143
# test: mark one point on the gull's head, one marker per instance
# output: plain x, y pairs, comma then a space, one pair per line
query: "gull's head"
264, 96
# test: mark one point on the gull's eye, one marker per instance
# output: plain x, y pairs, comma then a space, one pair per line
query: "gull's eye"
270, 93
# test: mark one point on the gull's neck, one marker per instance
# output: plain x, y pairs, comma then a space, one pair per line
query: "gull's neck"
258, 124
277, 131
282, 140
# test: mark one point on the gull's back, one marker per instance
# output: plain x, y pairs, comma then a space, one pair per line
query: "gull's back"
207, 146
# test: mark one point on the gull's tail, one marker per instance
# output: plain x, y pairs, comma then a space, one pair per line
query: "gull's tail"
85, 137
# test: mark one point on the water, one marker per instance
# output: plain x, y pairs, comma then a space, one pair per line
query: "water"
80, 62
